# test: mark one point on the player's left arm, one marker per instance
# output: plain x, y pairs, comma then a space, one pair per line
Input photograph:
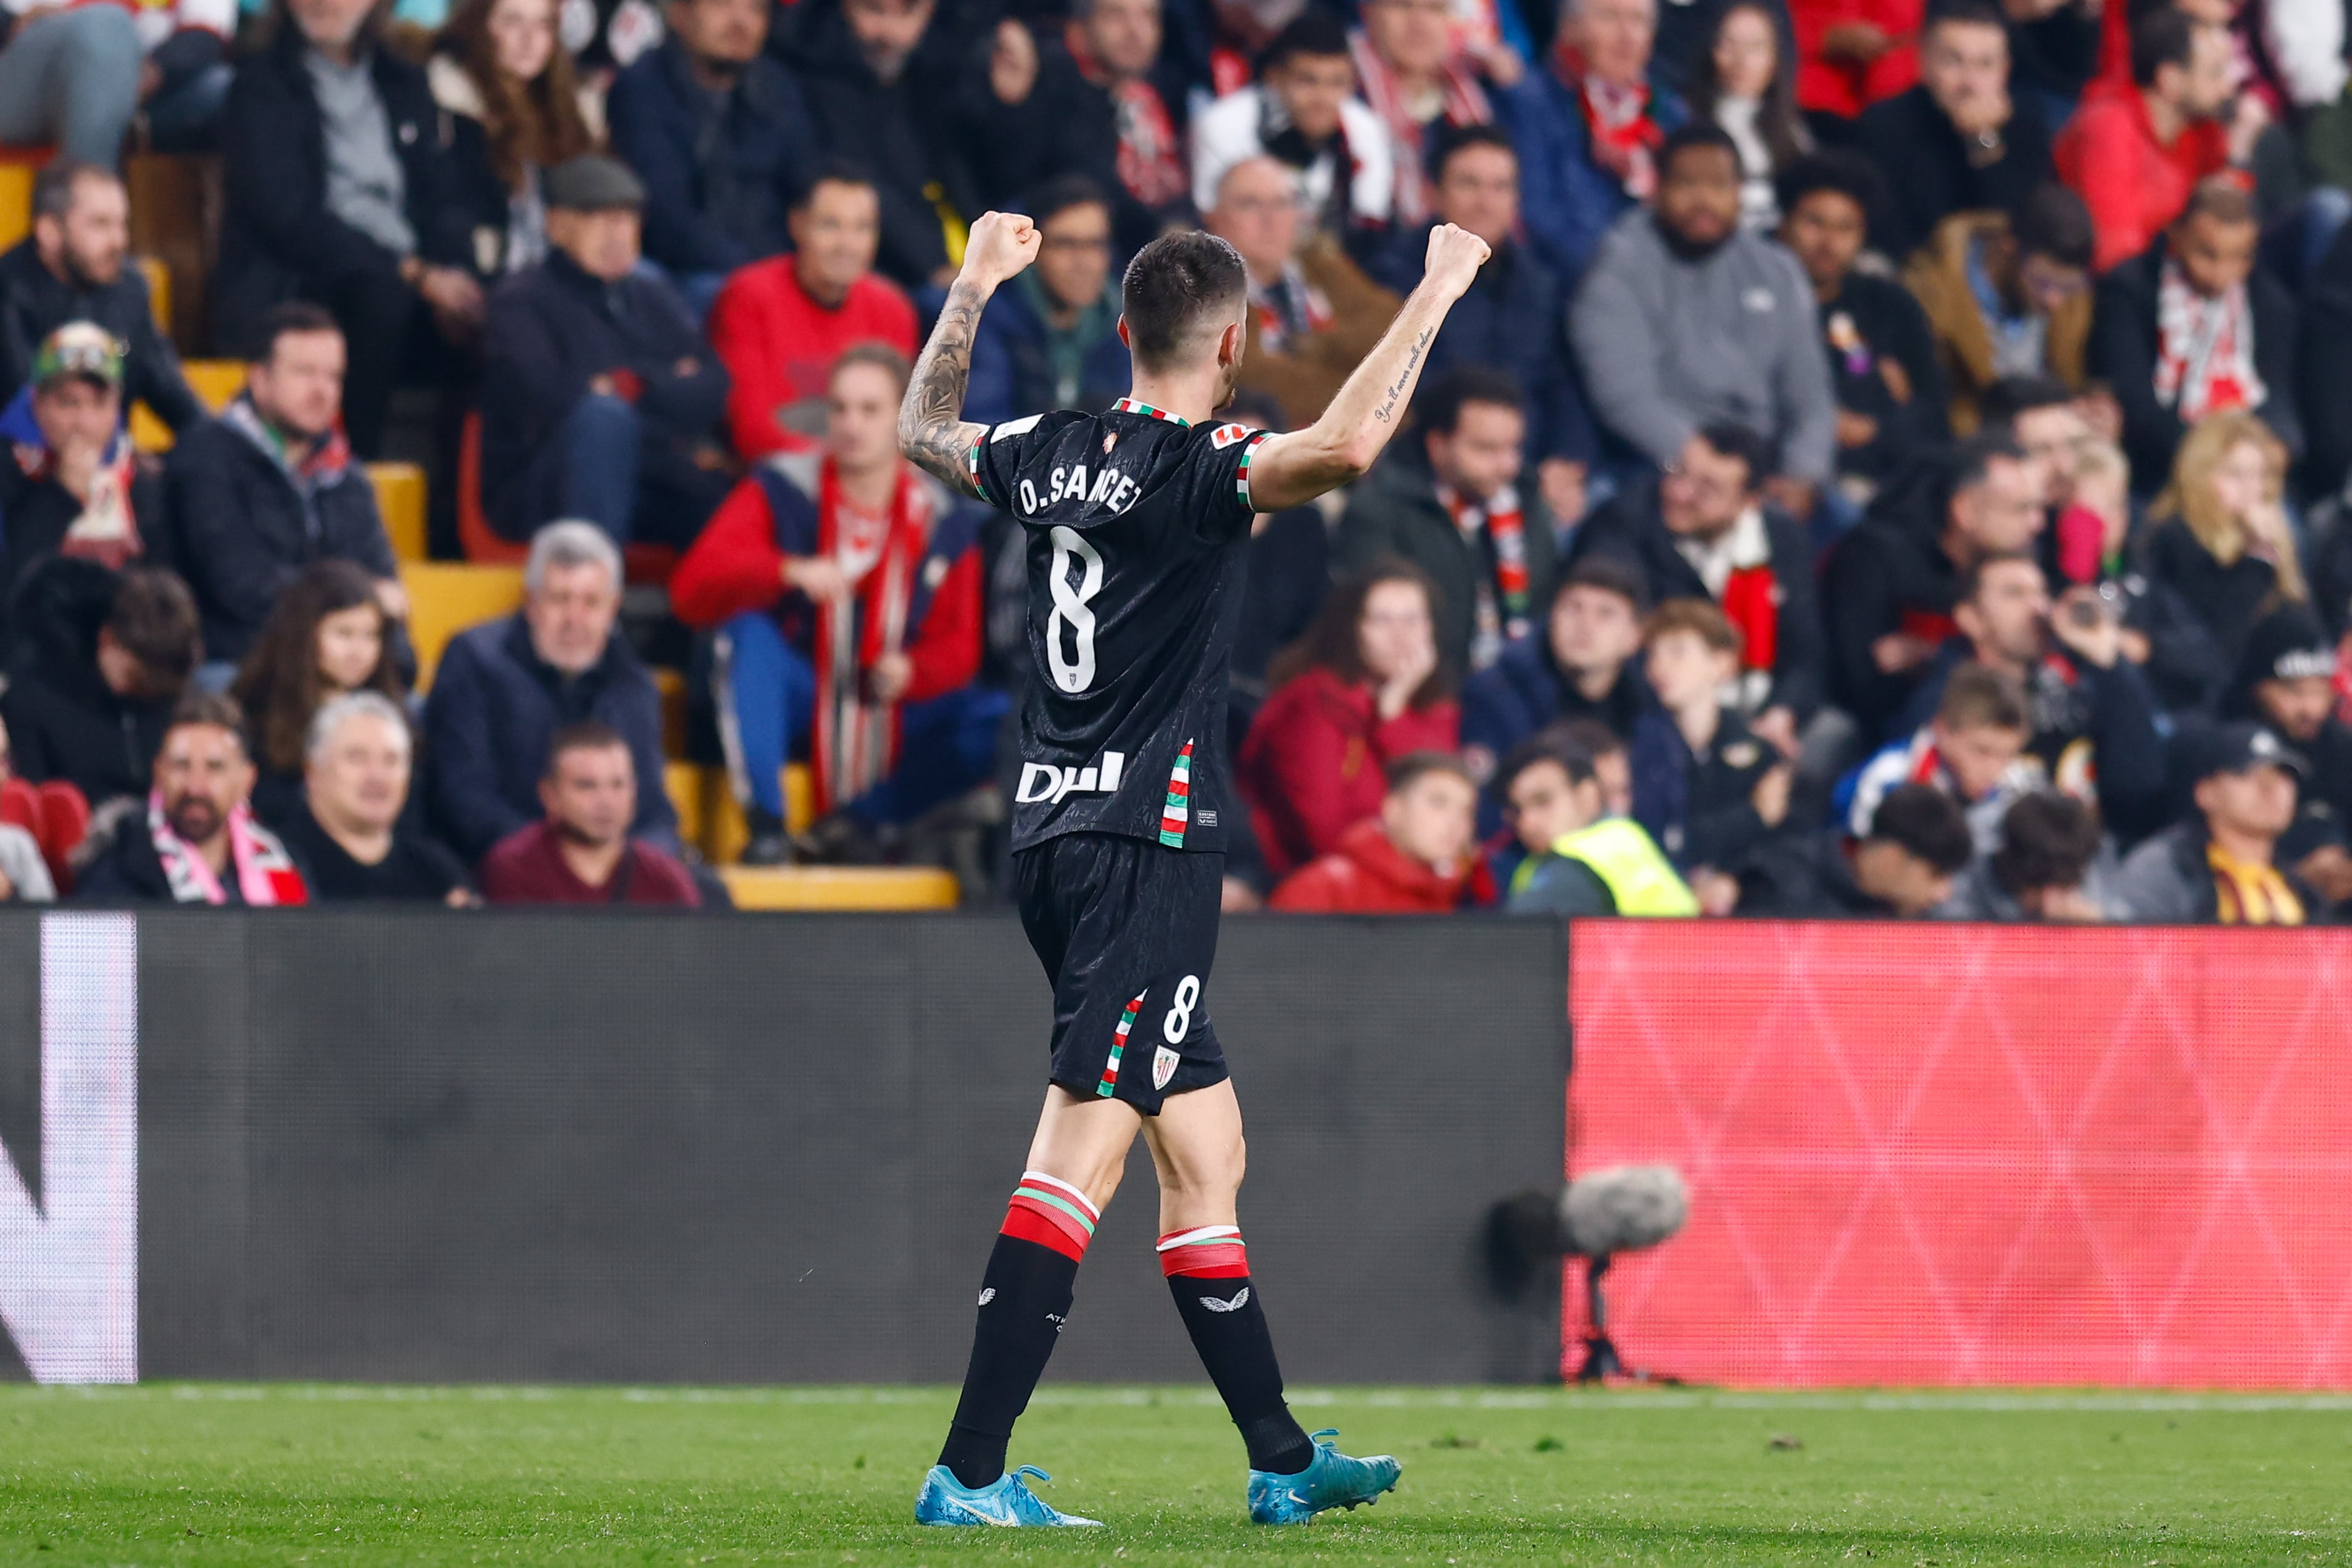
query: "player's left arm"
932, 431
1291, 470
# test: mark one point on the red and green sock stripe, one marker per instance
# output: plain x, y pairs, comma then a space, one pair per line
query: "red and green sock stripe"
1205, 1252
1052, 1213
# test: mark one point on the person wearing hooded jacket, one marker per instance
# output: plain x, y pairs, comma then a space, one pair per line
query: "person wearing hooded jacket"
1418, 858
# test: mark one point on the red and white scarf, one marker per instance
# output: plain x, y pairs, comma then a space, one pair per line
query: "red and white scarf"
2204, 349
107, 531
1617, 123
1498, 529
266, 874
1151, 165
855, 740
1462, 102
1736, 568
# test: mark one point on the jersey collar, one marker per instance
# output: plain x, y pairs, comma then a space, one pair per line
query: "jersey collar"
1129, 406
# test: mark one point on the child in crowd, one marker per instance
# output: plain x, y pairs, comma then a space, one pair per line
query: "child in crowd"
1703, 787
1972, 750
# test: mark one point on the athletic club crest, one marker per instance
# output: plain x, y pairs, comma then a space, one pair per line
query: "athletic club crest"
1163, 1067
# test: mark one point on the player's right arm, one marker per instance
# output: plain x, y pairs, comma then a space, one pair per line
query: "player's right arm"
933, 431
1291, 470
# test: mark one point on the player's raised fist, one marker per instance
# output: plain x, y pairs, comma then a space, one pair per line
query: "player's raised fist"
1000, 246
1455, 254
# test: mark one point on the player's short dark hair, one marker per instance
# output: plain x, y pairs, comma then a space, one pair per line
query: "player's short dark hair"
588, 735
1978, 697
1610, 574
153, 619
2050, 220
1442, 401
54, 186
1415, 766
2010, 396
1060, 193
1834, 169
881, 356
1734, 440
833, 171
1693, 134
1965, 13
1314, 31
2162, 35
2047, 839
1972, 580
1925, 824
1175, 285
291, 318
1462, 139
1539, 749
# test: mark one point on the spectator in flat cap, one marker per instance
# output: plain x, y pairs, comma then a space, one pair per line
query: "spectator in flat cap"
2220, 866
600, 398
2288, 682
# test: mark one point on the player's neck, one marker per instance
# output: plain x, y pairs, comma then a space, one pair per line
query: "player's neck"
1192, 399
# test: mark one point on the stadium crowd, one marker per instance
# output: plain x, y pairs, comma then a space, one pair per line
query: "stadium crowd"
1895, 463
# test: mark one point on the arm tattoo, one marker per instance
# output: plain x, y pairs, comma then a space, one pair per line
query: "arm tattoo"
1396, 388
933, 438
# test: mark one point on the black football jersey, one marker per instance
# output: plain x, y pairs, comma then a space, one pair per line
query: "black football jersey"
1138, 526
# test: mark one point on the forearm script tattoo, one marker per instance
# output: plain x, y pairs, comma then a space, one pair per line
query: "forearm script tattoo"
933, 438
1404, 376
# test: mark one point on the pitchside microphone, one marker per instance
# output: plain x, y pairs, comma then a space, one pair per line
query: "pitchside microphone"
1624, 1209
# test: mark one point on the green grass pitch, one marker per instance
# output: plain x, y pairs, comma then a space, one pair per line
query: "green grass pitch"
429, 1476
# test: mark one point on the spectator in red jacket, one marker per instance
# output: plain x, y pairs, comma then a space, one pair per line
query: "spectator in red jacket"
1361, 690
780, 324
845, 590
582, 853
1853, 53
2136, 151
1416, 858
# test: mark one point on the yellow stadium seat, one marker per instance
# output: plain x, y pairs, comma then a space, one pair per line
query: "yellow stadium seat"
725, 832
215, 383
683, 783
159, 292
671, 685
15, 200
400, 496
443, 600
840, 887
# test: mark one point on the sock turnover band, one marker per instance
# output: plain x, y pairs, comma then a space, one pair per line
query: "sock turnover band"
1052, 1213
1205, 1252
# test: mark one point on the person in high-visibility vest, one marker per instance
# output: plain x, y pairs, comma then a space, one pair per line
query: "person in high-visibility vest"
1580, 862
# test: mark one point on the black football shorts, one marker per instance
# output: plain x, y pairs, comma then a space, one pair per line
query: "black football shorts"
1126, 931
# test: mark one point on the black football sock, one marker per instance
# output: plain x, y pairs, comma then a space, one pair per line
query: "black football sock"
1208, 1273
1024, 1298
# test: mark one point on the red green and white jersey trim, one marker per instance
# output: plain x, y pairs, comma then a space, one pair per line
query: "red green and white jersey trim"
1110, 1085
1241, 474
1129, 406
1177, 814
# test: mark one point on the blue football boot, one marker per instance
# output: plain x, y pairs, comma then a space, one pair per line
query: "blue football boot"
1333, 1481
1006, 1501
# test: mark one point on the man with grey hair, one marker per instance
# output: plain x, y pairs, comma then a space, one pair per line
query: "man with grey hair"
350, 839
505, 687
